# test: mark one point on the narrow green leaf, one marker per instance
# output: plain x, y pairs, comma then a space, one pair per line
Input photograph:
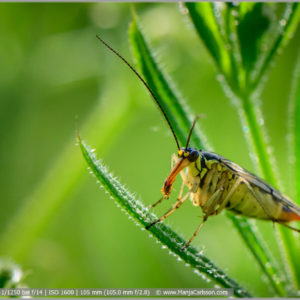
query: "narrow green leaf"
203, 18
251, 27
259, 137
162, 232
177, 111
260, 251
11, 275
296, 133
286, 28
293, 138
226, 18
177, 116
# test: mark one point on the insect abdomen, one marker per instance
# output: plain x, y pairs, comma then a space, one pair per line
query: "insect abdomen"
242, 199
249, 206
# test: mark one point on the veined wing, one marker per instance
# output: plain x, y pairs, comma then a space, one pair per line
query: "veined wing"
255, 181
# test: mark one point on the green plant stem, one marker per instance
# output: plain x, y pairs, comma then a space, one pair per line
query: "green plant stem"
161, 231
260, 252
259, 140
293, 145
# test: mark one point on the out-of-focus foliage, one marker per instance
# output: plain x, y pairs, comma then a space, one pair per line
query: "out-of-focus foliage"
53, 68
11, 275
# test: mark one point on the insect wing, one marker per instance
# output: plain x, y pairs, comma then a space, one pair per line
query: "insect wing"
255, 181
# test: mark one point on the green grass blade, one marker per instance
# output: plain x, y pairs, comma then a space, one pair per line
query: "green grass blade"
107, 118
286, 28
260, 252
253, 119
250, 44
179, 116
202, 15
162, 232
294, 152
176, 110
296, 119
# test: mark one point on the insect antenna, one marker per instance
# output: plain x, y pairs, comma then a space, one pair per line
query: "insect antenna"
190, 134
145, 84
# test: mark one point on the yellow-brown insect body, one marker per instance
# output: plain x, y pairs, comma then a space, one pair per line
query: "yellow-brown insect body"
216, 184
215, 176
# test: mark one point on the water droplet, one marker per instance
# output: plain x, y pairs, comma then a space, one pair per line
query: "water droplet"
234, 13
282, 22
183, 9
93, 150
220, 77
246, 129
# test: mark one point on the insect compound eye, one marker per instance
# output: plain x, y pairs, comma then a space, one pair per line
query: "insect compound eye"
193, 156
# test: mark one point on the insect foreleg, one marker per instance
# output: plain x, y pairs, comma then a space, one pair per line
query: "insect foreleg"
159, 201
181, 191
174, 159
210, 206
195, 233
171, 210
227, 198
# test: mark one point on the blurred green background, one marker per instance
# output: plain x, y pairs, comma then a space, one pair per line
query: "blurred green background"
54, 219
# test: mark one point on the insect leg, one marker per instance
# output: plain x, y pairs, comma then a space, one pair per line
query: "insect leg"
170, 211
227, 198
159, 201
288, 226
209, 206
181, 191
195, 233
